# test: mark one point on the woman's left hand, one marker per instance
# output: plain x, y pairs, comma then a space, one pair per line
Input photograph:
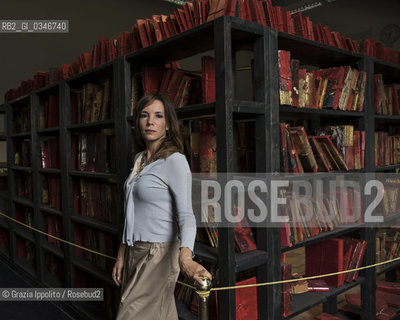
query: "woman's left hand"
191, 268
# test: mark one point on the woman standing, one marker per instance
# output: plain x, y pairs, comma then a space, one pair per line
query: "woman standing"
158, 206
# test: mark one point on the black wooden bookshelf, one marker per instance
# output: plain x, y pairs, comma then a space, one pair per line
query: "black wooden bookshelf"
225, 36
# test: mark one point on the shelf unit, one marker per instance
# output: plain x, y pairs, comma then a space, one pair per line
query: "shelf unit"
225, 36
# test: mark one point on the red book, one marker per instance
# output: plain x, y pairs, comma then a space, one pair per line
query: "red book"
317, 285
136, 40
269, 14
356, 260
349, 157
337, 38
393, 300
151, 37
188, 16
349, 247
355, 299
279, 17
286, 303
164, 26
325, 257
329, 37
336, 77
172, 24
284, 149
181, 15
299, 24
246, 300
353, 88
391, 287
173, 85
152, 77
362, 156
285, 90
205, 10
208, 79
260, 12
141, 23
309, 28
327, 316
395, 99
158, 30
357, 149
294, 66
244, 238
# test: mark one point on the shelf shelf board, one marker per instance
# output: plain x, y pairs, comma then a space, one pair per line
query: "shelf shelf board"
24, 99
21, 168
387, 118
24, 233
196, 110
92, 222
194, 41
91, 75
50, 247
387, 267
49, 89
244, 261
339, 231
184, 311
26, 266
3, 138
305, 301
89, 174
50, 170
49, 131
387, 168
392, 217
89, 267
5, 252
315, 53
287, 111
4, 222
48, 209
21, 135
92, 125
248, 107
23, 201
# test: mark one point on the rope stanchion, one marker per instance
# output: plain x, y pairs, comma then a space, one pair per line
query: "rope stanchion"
203, 292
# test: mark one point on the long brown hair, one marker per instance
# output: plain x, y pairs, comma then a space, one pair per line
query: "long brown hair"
172, 142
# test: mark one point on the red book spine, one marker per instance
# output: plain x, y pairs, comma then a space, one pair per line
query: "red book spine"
246, 300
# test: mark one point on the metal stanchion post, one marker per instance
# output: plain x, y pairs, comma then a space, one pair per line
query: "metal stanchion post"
203, 291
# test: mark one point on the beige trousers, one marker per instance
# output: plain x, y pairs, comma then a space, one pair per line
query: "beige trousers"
148, 281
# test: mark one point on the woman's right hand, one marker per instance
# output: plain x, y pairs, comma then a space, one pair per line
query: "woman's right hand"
119, 266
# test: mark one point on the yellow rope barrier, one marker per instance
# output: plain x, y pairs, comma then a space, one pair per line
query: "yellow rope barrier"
54, 237
212, 289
